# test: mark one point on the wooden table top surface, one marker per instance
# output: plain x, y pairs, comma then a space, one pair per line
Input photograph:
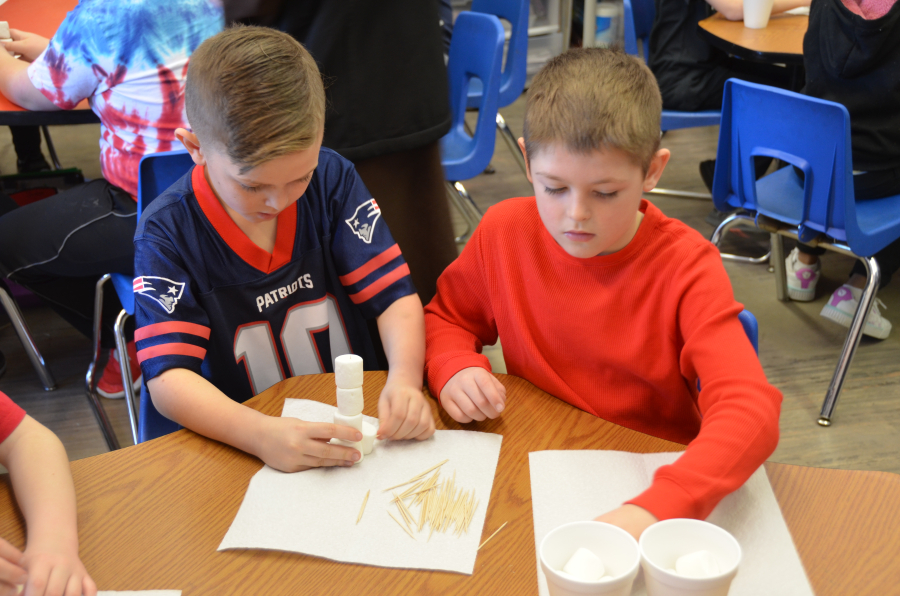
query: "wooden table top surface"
151, 516
780, 41
42, 17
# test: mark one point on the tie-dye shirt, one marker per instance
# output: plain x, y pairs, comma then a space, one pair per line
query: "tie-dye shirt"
129, 59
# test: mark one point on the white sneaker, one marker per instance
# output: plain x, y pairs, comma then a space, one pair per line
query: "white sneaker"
801, 278
842, 306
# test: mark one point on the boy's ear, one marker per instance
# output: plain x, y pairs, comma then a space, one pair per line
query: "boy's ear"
192, 144
525, 154
654, 172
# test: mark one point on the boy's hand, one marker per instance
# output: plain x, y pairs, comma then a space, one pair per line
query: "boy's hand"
27, 44
292, 445
404, 413
631, 518
54, 570
11, 572
473, 394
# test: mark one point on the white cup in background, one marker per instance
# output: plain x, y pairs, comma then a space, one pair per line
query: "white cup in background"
756, 13
615, 547
664, 542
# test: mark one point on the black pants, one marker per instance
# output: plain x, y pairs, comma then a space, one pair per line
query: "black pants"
59, 247
872, 185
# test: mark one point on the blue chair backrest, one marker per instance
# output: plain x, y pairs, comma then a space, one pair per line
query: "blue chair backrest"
751, 328
476, 50
639, 16
811, 134
512, 78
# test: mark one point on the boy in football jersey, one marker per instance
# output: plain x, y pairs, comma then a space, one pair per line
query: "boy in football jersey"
266, 260
601, 300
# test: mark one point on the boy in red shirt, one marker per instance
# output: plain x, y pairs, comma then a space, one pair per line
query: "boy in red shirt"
603, 301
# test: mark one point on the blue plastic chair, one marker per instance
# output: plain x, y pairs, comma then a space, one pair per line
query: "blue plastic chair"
639, 16
156, 172
813, 135
751, 328
512, 77
476, 51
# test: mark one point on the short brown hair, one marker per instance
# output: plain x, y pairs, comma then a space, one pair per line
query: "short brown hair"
590, 99
255, 93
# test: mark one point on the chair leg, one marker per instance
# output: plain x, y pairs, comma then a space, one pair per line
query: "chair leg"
90, 381
511, 142
50, 148
777, 264
681, 194
125, 367
466, 207
873, 279
729, 222
37, 361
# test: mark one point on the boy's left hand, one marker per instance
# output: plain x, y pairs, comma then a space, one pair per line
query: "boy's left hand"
404, 413
631, 518
53, 571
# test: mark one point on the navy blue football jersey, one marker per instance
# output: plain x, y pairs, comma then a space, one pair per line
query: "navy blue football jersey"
210, 300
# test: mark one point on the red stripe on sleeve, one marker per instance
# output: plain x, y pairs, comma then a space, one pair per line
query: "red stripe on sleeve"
171, 327
173, 349
370, 266
381, 284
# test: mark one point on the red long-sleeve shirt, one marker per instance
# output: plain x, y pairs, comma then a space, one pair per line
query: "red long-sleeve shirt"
624, 336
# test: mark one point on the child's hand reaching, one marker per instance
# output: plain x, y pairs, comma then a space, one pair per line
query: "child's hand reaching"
11, 572
292, 445
29, 45
473, 394
54, 570
631, 518
404, 413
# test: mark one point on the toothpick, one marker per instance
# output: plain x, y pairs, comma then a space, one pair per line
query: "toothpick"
492, 535
411, 480
363, 508
401, 525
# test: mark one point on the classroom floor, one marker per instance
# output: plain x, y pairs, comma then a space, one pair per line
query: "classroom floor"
798, 348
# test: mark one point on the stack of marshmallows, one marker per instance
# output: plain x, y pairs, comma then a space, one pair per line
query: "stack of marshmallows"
348, 376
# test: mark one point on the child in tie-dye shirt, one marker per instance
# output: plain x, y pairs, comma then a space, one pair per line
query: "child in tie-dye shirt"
129, 60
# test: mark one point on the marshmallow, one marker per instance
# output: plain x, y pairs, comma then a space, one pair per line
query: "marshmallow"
354, 421
348, 371
4, 30
368, 442
350, 401
698, 564
584, 566
356, 445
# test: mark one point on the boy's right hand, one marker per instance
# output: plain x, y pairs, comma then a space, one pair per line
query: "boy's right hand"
292, 445
11, 572
473, 394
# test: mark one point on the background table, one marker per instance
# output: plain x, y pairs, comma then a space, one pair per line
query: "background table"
781, 41
152, 516
42, 17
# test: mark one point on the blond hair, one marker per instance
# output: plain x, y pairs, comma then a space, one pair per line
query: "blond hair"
254, 93
594, 99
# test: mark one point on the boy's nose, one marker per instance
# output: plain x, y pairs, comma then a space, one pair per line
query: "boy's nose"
578, 209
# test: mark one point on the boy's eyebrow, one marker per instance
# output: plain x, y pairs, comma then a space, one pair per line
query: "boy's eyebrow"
552, 177
249, 182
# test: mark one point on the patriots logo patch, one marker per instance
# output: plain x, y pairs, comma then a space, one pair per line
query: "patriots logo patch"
363, 224
164, 291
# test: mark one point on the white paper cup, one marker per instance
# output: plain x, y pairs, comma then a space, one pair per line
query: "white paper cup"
614, 546
756, 13
664, 542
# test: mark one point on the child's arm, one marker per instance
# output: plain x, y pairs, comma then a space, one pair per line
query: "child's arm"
40, 474
14, 81
402, 409
286, 444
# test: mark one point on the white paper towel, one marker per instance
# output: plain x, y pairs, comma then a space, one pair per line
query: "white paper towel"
571, 486
140, 593
314, 512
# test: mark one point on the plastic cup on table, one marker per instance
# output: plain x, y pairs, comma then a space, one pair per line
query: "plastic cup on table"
614, 546
756, 13
664, 542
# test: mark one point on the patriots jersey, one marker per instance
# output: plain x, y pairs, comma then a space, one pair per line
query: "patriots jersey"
210, 300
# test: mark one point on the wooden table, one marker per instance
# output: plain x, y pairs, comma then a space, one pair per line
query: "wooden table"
780, 42
152, 516
42, 17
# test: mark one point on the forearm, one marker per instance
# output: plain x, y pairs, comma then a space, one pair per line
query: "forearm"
402, 329
42, 480
18, 88
195, 403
